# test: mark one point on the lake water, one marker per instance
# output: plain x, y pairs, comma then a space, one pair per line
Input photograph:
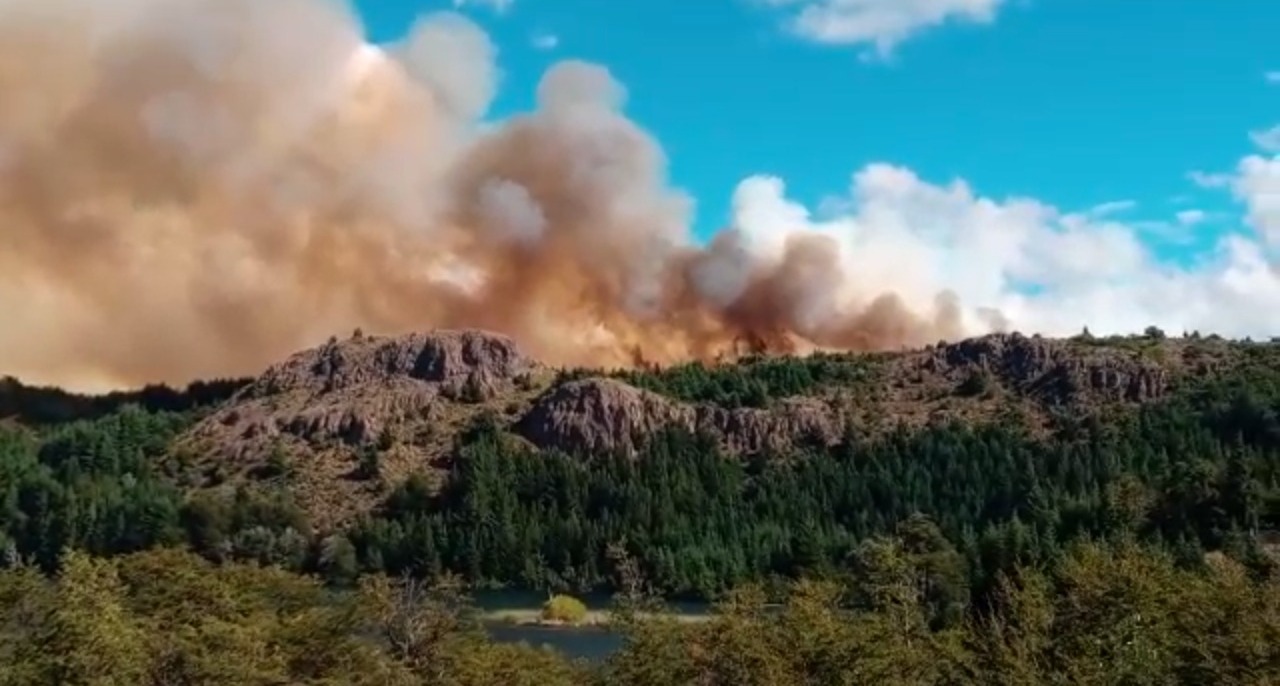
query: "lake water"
592, 643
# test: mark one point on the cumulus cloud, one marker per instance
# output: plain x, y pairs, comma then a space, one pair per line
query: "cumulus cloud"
544, 41
1257, 185
1043, 269
880, 24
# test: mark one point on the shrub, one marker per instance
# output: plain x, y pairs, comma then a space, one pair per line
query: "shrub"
977, 383
369, 466
278, 464
563, 608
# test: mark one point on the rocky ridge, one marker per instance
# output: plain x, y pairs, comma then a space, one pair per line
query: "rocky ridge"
409, 396
348, 392
602, 414
1054, 370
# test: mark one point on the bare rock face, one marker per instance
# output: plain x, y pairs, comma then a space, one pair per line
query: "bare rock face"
1055, 370
792, 423
601, 415
452, 361
348, 391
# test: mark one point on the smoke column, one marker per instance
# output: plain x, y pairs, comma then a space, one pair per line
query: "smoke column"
196, 188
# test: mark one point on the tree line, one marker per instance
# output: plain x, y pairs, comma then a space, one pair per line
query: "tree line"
1195, 474
42, 406
1101, 614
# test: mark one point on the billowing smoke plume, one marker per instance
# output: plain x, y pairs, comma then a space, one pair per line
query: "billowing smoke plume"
192, 188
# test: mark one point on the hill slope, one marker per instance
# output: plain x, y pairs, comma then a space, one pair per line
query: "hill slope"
452, 450
408, 398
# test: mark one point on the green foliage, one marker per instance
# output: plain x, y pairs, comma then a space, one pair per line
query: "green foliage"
369, 464
975, 384
1101, 614
101, 486
279, 464
1126, 548
89, 485
1197, 473
386, 439
912, 537
1184, 474
86, 636
167, 617
755, 381
564, 608
337, 562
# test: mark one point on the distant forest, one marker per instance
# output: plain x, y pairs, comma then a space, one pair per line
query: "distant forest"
1197, 473
43, 405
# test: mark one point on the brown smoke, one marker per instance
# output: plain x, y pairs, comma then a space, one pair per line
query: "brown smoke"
191, 188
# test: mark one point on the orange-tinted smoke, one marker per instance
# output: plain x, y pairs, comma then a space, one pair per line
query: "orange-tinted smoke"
196, 188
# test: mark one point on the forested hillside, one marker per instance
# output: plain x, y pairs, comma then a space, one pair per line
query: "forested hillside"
1011, 448
1001, 492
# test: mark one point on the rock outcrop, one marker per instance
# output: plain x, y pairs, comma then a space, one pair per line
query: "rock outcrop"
794, 422
1052, 370
601, 415
444, 361
348, 391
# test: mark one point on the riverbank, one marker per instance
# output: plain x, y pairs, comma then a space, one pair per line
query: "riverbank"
593, 639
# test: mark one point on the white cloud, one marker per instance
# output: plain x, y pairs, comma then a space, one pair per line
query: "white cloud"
900, 233
1113, 207
1267, 140
1205, 179
499, 6
1191, 217
881, 24
544, 41
1257, 185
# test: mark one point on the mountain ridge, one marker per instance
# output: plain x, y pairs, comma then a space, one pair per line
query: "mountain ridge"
404, 401
454, 451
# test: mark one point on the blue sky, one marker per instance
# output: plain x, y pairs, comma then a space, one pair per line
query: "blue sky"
1077, 103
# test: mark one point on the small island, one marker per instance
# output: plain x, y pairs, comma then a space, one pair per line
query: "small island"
563, 610
559, 611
